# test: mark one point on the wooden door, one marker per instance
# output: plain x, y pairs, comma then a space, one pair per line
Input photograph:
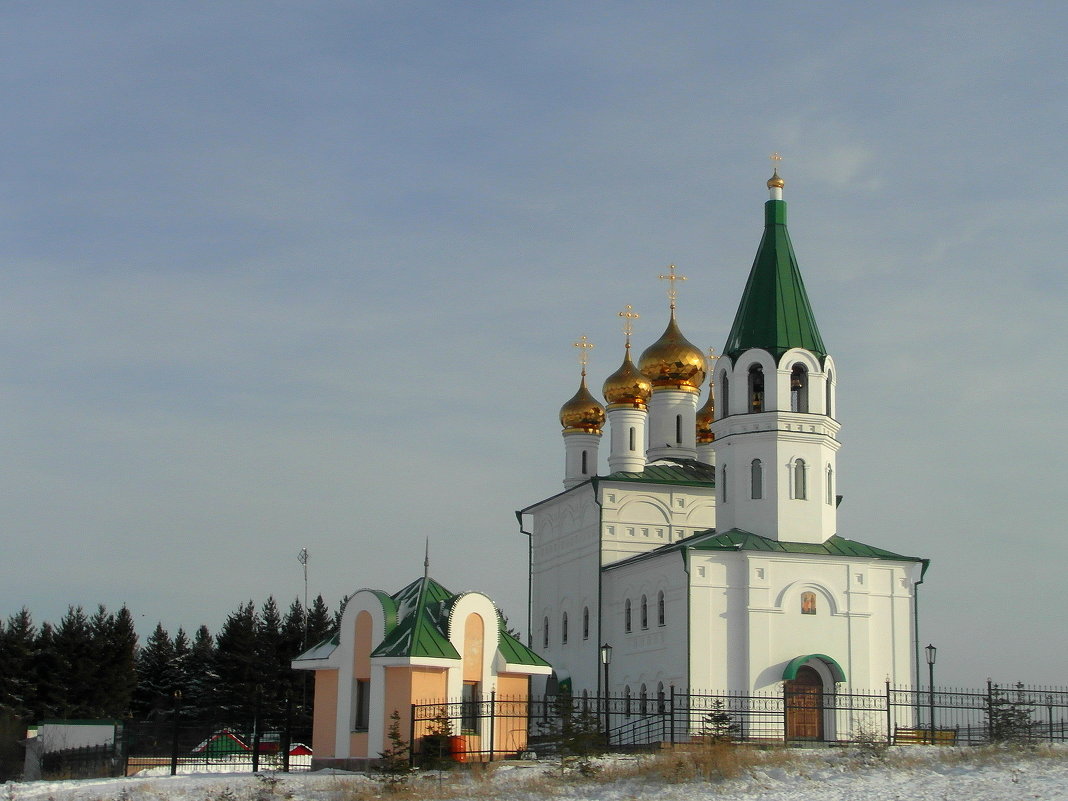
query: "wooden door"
804, 706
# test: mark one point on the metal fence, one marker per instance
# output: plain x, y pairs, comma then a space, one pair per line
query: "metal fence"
497, 727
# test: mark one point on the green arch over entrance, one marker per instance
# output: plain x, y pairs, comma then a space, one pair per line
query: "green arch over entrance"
790, 673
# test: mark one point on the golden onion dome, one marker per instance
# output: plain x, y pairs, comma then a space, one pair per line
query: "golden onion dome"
775, 182
583, 412
627, 386
673, 362
705, 415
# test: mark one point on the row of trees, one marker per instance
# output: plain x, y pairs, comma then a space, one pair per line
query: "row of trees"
91, 666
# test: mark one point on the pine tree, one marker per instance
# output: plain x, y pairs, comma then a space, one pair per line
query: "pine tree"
18, 691
180, 646
75, 672
237, 666
293, 645
46, 666
394, 763
320, 622
200, 695
273, 676
114, 648
1009, 715
156, 675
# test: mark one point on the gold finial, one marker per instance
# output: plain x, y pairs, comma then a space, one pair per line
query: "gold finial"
775, 182
585, 346
673, 292
629, 316
775, 159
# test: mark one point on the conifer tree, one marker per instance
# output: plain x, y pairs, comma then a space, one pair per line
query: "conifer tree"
293, 644
237, 666
320, 622
75, 672
181, 647
114, 649
46, 666
200, 695
17, 688
156, 676
273, 678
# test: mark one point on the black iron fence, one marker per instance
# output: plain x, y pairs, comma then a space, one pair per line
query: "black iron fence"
498, 727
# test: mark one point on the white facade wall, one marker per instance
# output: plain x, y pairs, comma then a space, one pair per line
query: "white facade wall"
638, 517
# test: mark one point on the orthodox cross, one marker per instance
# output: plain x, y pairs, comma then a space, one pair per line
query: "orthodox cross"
775, 159
629, 316
711, 358
585, 346
673, 292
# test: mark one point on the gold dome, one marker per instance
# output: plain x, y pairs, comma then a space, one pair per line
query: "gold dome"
775, 182
705, 415
583, 412
627, 386
672, 362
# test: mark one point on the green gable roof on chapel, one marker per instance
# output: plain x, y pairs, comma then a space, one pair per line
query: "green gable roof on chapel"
774, 313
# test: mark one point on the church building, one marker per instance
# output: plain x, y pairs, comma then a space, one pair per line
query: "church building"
708, 556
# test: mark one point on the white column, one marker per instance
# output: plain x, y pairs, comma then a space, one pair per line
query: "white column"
580, 457
627, 438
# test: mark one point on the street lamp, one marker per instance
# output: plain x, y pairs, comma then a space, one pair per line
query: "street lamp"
932, 652
606, 660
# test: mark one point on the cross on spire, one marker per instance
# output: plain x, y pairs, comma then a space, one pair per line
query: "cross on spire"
711, 358
775, 159
673, 291
629, 316
584, 346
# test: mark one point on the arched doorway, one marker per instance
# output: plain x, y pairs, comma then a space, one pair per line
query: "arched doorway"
803, 699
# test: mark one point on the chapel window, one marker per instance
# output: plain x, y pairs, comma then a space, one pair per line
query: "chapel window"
756, 478
725, 396
361, 704
800, 492
633, 439
756, 388
626, 616
585, 622
584, 462
661, 707
643, 702
626, 701
645, 613
830, 410
545, 634
563, 629
678, 428
661, 609
830, 485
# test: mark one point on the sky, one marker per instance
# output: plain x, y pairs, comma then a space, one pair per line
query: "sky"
284, 275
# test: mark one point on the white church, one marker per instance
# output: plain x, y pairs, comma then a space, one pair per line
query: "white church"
708, 556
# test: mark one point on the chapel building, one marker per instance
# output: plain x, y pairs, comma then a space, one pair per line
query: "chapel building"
708, 556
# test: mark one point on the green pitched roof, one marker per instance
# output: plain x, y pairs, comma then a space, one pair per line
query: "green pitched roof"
669, 471
774, 313
514, 652
422, 616
738, 540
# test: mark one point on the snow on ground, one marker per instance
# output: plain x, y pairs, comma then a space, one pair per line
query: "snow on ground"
913, 773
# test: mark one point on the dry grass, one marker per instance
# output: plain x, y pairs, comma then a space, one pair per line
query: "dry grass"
711, 762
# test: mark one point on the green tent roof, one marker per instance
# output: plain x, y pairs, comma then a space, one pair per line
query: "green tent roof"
421, 618
774, 313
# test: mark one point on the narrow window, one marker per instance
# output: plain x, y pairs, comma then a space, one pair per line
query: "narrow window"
756, 388
830, 411
725, 396
723, 485
800, 492
756, 477
830, 485
585, 622
361, 702
469, 708
643, 702
799, 389
563, 629
661, 707
626, 701
678, 428
661, 609
633, 437
545, 634
808, 603
584, 463
626, 616
645, 613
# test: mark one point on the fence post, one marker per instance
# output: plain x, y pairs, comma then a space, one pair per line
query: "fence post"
174, 731
989, 711
672, 713
287, 735
256, 732
889, 715
411, 737
493, 721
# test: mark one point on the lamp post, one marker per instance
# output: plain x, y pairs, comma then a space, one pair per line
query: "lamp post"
932, 652
606, 660
1049, 708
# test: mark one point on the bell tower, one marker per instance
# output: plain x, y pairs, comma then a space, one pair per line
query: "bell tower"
775, 435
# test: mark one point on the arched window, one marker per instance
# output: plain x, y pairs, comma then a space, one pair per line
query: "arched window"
756, 388
545, 633
626, 616
645, 613
808, 603
800, 491
830, 485
661, 609
830, 411
643, 702
725, 397
756, 479
633, 439
661, 707
799, 388
584, 462
563, 628
585, 622
678, 428
626, 701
